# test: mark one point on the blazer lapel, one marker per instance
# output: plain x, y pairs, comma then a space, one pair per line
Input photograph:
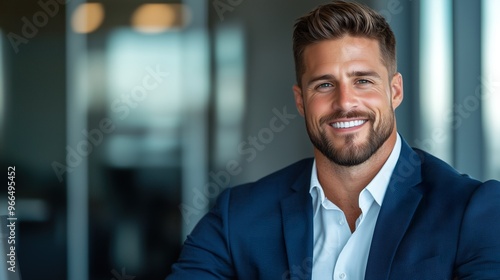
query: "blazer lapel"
399, 205
296, 212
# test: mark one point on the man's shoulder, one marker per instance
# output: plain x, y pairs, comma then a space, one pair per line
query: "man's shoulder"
438, 173
435, 169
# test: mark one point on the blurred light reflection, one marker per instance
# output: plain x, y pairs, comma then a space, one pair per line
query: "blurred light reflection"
436, 76
87, 17
145, 98
156, 18
490, 81
230, 91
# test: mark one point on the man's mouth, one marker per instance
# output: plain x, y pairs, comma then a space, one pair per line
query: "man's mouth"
348, 124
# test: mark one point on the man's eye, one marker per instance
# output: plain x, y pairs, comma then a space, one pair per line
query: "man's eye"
324, 85
363, 81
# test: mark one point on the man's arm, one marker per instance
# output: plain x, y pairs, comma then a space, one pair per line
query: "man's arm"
479, 242
206, 254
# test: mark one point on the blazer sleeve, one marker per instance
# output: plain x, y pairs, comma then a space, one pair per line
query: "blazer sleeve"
479, 242
205, 254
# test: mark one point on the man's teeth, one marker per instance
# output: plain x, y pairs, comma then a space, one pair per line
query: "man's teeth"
348, 124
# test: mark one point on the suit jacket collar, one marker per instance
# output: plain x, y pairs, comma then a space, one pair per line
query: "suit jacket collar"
296, 212
400, 202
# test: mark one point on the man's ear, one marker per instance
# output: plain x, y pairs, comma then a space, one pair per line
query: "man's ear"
299, 100
396, 90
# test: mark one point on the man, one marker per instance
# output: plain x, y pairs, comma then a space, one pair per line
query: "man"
367, 206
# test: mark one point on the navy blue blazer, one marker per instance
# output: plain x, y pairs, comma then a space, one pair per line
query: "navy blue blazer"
434, 224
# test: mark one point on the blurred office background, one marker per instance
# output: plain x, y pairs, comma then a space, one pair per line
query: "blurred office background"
125, 119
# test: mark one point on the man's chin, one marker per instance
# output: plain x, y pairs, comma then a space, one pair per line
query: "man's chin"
349, 157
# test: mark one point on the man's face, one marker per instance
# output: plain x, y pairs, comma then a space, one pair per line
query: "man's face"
348, 99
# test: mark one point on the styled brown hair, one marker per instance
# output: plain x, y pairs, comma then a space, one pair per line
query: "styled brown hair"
337, 19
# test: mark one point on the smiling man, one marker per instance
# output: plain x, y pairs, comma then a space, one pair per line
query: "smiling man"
367, 206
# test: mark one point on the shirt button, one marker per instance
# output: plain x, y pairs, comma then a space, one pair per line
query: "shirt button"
342, 275
341, 222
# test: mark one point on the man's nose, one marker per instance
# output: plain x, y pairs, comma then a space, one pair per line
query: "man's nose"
345, 98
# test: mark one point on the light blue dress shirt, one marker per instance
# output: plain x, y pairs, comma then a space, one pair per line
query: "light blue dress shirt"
339, 254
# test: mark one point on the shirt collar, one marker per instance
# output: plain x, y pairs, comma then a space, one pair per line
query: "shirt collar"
316, 191
377, 186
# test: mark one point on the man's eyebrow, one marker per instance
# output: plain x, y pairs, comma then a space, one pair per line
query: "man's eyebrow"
364, 74
320, 78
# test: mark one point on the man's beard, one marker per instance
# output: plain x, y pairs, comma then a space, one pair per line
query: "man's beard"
351, 154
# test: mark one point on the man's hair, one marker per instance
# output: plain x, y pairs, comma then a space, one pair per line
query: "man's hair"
337, 19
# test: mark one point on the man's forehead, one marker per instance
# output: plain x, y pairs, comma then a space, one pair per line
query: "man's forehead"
342, 50
346, 42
